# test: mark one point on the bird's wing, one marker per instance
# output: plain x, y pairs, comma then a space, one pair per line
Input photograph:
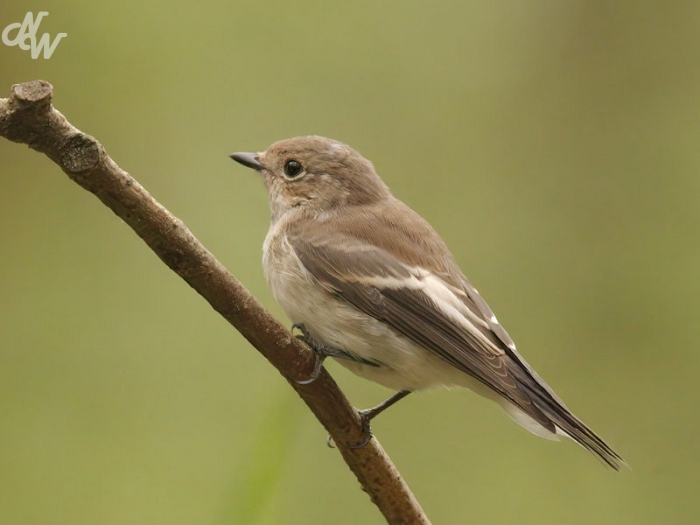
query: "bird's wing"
451, 320
420, 306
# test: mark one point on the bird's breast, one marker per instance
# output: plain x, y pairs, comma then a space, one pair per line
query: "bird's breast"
332, 321
289, 282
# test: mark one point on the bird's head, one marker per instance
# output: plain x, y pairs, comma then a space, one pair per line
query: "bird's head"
316, 173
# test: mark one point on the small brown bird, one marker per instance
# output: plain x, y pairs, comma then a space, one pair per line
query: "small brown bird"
370, 283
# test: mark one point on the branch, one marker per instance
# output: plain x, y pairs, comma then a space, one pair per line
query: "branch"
28, 117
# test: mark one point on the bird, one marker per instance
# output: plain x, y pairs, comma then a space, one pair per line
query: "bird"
370, 283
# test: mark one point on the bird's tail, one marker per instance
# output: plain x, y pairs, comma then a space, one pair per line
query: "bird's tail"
549, 417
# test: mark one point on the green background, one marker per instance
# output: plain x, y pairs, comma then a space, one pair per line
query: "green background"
553, 144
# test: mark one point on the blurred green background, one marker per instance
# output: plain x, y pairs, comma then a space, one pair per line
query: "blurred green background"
554, 145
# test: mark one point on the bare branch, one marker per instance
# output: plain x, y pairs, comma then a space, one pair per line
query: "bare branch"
28, 117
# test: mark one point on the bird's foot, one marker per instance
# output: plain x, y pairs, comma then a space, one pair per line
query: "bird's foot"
320, 350
366, 429
368, 414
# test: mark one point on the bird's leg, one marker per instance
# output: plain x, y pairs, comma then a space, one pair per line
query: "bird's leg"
370, 413
322, 351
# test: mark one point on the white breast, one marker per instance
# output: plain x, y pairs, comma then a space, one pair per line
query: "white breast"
336, 323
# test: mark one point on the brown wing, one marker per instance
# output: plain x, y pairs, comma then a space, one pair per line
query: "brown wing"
370, 278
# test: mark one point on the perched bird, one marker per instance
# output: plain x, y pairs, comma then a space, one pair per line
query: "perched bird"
369, 282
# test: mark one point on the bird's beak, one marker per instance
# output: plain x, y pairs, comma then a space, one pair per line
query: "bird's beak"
248, 159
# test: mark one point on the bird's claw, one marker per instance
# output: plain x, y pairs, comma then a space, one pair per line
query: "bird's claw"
304, 332
365, 426
316, 347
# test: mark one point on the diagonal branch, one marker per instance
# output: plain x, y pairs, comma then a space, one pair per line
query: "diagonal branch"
28, 117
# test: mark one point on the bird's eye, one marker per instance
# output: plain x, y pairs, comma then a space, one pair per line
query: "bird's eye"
292, 168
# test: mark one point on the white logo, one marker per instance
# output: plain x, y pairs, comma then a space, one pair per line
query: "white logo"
27, 30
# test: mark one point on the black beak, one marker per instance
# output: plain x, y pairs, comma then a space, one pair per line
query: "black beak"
248, 159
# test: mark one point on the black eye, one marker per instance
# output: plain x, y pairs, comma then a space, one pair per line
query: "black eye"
292, 168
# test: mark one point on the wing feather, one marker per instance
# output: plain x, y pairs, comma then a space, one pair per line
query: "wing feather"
375, 281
